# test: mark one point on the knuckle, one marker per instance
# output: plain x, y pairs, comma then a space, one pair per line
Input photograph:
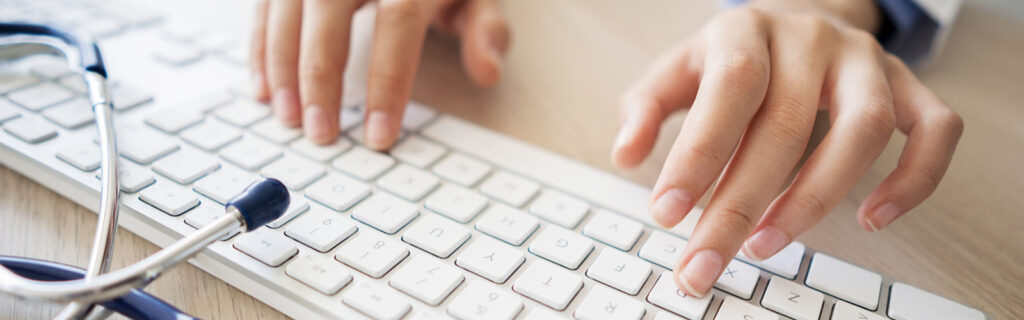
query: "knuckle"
703, 154
878, 117
820, 32
319, 71
789, 123
745, 69
924, 180
948, 120
736, 215
814, 204
865, 40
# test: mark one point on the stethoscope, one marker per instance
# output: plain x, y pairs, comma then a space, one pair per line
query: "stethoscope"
117, 291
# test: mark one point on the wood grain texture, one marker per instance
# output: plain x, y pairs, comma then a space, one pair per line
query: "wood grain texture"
569, 61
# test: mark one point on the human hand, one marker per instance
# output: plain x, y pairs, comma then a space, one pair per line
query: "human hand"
754, 79
300, 48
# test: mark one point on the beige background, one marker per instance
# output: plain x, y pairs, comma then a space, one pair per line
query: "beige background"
569, 61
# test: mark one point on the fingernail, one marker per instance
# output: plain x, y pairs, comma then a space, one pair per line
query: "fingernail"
701, 272
671, 206
883, 216
257, 86
315, 123
286, 106
765, 243
378, 130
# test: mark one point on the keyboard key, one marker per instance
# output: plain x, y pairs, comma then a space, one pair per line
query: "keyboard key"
321, 229
224, 184
173, 120
8, 110
662, 249
845, 311
296, 207
376, 301
10, 81
177, 55
211, 135
242, 113
907, 302
183, 31
51, 69
363, 163
40, 96
131, 177
491, 259
408, 182
83, 155
272, 129
417, 151
733, 308
185, 166
620, 271
461, 169
665, 315
30, 129
739, 279
507, 224
427, 279
559, 208
792, 299
205, 214
143, 145
170, 199
320, 153
385, 213
510, 189
267, 246
613, 229
317, 272
665, 295
785, 263
436, 235
356, 134
372, 253
70, 114
351, 116
294, 171
250, 153
844, 280
562, 246
417, 115
540, 313
126, 96
337, 192
548, 284
206, 102
604, 303
456, 203
481, 300
71, 82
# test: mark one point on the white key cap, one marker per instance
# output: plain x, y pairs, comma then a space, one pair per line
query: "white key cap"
205, 214
417, 151
604, 303
481, 300
131, 177
417, 115
206, 102
907, 303
735, 309
662, 249
785, 263
491, 259
620, 271
408, 182
376, 301
70, 114
211, 135
613, 229
351, 116
845, 311
667, 296
296, 207
792, 299
224, 184
844, 280
665, 315
317, 272
739, 279
272, 129
185, 166
427, 279
461, 169
560, 208
177, 55
71, 82
321, 229
170, 199
40, 96
508, 188
507, 224
548, 284
250, 153
173, 120
10, 81
562, 246
269, 247
337, 192
320, 153
242, 113
8, 110
372, 253
385, 213
126, 96
31, 129
363, 163
294, 171
143, 145
541, 313
456, 203
436, 235
51, 69
84, 155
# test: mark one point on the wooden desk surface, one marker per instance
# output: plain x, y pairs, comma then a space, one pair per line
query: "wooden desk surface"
569, 61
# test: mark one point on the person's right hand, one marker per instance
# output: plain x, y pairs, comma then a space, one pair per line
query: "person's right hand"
300, 48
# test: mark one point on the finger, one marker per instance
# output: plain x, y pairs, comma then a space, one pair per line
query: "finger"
257, 53
863, 124
485, 38
282, 58
400, 30
732, 88
670, 84
322, 58
933, 131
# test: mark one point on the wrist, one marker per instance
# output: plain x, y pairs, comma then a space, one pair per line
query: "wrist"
860, 14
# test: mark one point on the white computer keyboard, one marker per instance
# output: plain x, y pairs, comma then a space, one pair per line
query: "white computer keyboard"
455, 221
